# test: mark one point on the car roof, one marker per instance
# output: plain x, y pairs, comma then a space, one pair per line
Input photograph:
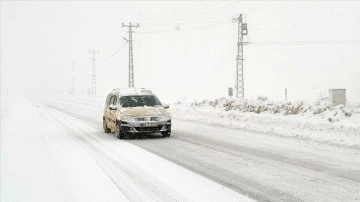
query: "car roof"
131, 91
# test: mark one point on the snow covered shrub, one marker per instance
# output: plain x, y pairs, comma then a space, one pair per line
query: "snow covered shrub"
347, 113
307, 109
276, 109
263, 98
195, 104
293, 108
228, 104
321, 105
321, 108
255, 106
214, 103
332, 119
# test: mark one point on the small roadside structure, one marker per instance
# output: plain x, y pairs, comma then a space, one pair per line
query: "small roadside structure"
337, 96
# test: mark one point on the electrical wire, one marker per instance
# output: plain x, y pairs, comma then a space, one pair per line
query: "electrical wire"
187, 29
106, 58
324, 42
193, 16
179, 17
214, 10
174, 10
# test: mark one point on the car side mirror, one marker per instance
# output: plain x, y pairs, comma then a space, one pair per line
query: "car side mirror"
113, 107
166, 106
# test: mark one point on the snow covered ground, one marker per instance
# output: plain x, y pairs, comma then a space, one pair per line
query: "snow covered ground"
315, 121
47, 155
54, 149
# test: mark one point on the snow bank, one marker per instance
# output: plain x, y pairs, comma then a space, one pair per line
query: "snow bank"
320, 107
314, 121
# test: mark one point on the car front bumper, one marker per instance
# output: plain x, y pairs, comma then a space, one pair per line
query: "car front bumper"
146, 127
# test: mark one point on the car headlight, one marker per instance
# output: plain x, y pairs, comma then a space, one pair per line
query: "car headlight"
163, 117
128, 118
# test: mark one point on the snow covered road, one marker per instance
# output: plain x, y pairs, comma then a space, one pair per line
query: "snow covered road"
68, 157
50, 155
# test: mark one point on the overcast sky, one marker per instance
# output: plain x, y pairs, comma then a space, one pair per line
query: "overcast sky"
183, 49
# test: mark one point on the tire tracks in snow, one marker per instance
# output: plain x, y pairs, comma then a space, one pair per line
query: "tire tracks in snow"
247, 183
350, 175
311, 171
247, 187
135, 184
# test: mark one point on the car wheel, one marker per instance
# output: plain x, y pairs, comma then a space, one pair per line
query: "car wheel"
166, 134
118, 133
128, 135
106, 129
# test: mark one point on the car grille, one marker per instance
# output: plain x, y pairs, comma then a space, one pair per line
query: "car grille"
147, 119
151, 129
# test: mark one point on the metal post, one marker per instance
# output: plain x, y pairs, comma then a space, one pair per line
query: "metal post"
239, 82
93, 77
73, 78
131, 62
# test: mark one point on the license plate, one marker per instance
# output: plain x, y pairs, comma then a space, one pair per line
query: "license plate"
147, 124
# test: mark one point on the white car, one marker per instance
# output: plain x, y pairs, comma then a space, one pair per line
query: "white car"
135, 111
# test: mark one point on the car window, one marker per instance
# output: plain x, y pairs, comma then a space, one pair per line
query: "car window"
139, 101
114, 102
108, 100
111, 100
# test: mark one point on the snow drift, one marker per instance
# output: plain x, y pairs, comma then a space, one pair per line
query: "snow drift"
315, 121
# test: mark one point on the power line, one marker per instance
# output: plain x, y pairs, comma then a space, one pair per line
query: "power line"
179, 17
174, 10
213, 10
205, 22
317, 42
108, 57
192, 16
179, 25
224, 22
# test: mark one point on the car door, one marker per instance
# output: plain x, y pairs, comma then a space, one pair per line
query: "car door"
113, 103
108, 113
106, 109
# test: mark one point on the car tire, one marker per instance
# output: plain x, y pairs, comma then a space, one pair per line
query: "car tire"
106, 129
166, 134
118, 133
128, 135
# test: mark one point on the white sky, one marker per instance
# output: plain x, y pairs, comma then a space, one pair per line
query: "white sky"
196, 59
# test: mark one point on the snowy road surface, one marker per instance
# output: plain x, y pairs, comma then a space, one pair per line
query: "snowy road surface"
56, 150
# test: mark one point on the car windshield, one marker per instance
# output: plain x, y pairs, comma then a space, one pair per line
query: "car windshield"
139, 101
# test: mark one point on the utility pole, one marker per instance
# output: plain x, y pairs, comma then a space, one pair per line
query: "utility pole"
239, 83
73, 78
93, 81
131, 63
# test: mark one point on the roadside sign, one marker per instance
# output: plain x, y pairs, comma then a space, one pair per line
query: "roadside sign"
230, 90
